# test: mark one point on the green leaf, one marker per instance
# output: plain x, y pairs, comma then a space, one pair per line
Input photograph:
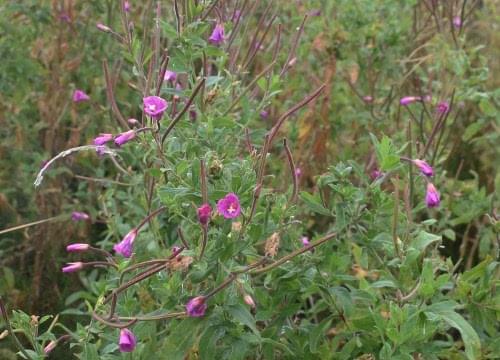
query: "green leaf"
469, 336
241, 314
424, 239
317, 334
313, 203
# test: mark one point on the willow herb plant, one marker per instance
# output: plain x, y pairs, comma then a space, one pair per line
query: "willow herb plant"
209, 254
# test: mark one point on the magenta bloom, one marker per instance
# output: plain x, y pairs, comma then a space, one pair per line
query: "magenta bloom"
100, 150
217, 36
196, 306
457, 22
155, 106
126, 6
103, 139
432, 196
124, 137
77, 247
443, 107
375, 174
407, 100
204, 212
126, 246
72, 267
170, 76
305, 241
79, 96
79, 216
425, 168
127, 340
298, 172
229, 206
264, 114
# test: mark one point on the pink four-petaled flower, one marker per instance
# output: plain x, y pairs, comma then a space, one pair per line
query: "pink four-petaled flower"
229, 206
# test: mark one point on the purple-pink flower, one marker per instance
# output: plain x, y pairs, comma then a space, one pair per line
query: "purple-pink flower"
196, 306
72, 267
432, 198
368, 99
79, 216
127, 341
103, 139
155, 106
124, 137
103, 27
264, 114
229, 206
126, 246
375, 174
249, 301
407, 100
443, 107
217, 37
170, 76
50, 346
457, 22
305, 241
77, 247
79, 96
424, 167
126, 6
298, 172
204, 212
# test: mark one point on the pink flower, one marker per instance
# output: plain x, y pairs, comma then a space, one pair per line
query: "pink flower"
72, 267
77, 247
424, 167
127, 341
133, 122
50, 346
249, 301
100, 150
457, 22
217, 36
79, 96
375, 174
124, 137
103, 27
443, 107
204, 212
196, 307
407, 100
126, 6
368, 99
432, 196
229, 206
126, 246
298, 172
103, 139
305, 241
79, 216
155, 106
264, 114
170, 76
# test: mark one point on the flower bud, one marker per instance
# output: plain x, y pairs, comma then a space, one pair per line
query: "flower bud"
126, 246
50, 346
72, 267
204, 212
127, 341
196, 307
124, 137
77, 247
424, 167
249, 301
103, 27
79, 216
432, 198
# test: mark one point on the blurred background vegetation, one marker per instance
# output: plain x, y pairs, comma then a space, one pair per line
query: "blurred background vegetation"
384, 49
